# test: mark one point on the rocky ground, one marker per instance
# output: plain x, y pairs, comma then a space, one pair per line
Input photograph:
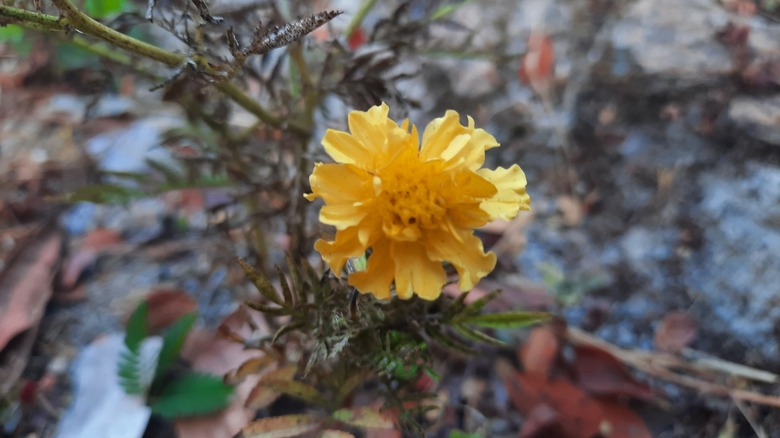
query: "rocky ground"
653, 160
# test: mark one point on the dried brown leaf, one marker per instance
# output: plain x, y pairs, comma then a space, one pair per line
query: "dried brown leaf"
677, 330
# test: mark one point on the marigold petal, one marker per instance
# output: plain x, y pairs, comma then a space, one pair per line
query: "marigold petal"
460, 146
344, 148
337, 252
511, 196
378, 276
417, 274
340, 183
343, 215
464, 250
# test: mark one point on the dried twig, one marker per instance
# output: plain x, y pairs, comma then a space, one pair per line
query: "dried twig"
661, 365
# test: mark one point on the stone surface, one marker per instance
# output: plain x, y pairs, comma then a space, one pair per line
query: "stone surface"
673, 41
758, 118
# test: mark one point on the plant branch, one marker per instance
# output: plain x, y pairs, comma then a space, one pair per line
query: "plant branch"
32, 19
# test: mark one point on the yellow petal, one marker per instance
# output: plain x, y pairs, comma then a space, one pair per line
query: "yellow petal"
369, 128
337, 252
510, 197
464, 250
416, 273
340, 183
460, 146
343, 215
344, 148
378, 276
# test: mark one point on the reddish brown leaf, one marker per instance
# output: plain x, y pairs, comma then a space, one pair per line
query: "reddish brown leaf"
578, 414
601, 374
539, 352
97, 241
677, 330
25, 286
538, 64
619, 421
166, 305
357, 39
541, 421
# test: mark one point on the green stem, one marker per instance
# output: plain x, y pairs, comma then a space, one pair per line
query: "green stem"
31, 19
86, 24
73, 18
357, 20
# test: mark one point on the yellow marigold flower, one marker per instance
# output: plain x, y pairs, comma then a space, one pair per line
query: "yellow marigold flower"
415, 207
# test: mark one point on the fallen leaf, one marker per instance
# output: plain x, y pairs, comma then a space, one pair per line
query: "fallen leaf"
211, 352
166, 305
578, 414
262, 394
601, 374
571, 209
539, 352
677, 330
95, 243
25, 286
281, 427
538, 63
619, 421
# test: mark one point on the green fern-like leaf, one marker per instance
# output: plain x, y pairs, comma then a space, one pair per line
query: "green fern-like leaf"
192, 394
130, 373
130, 370
137, 327
173, 339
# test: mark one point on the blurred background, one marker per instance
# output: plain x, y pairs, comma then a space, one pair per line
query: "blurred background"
649, 131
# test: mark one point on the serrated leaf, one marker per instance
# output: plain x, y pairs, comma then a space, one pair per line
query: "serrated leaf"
281, 427
505, 320
173, 339
252, 366
449, 342
478, 336
261, 283
137, 327
365, 418
192, 394
263, 395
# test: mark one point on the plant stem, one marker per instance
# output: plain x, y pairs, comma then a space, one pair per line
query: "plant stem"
73, 18
357, 20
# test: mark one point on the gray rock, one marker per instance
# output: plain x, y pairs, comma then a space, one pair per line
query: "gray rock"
737, 271
758, 118
672, 41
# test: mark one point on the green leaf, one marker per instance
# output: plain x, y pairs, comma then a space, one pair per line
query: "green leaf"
504, 320
456, 433
443, 11
11, 33
129, 373
192, 394
478, 336
476, 307
261, 283
286, 292
449, 342
173, 339
106, 194
103, 8
137, 327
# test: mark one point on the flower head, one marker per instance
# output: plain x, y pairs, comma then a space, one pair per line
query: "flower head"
413, 206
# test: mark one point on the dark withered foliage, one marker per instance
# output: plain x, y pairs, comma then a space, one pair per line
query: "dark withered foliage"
349, 339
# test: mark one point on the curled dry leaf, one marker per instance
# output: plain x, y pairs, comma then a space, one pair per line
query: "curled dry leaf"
677, 330
281, 427
262, 395
601, 374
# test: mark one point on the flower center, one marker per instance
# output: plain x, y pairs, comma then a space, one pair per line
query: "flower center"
411, 201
